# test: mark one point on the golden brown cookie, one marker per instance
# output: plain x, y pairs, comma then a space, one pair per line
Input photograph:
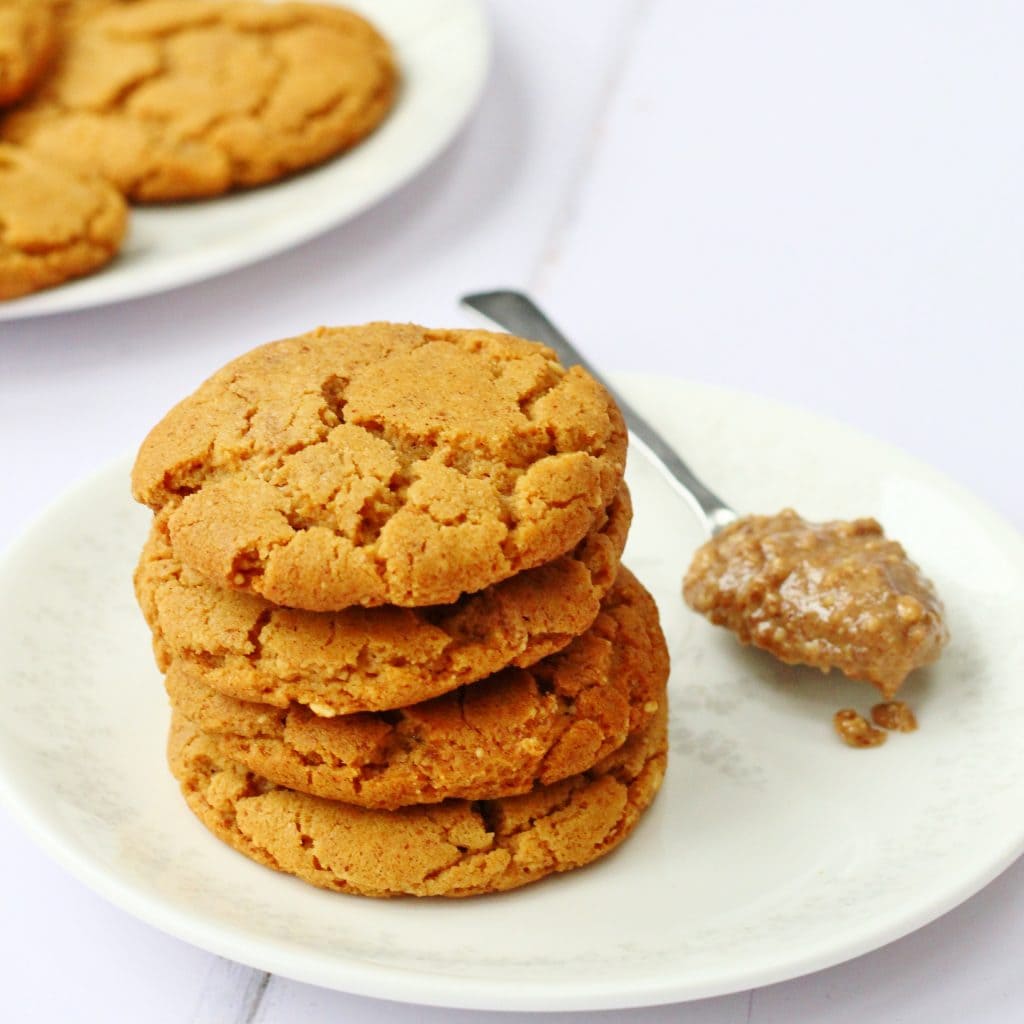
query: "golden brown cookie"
76, 8
172, 100
363, 659
27, 43
498, 737
457, 848
55, 224
70, 9
383, 464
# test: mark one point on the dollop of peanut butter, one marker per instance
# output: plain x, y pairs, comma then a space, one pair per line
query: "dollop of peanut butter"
830, 595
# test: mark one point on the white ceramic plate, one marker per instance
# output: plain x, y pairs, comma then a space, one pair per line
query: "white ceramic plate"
443, 49
771, 851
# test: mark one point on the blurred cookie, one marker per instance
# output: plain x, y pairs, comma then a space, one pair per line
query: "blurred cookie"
68, 9
55, 223
383, 464
457, 848
27, 43
497, 737
363, 659
172, 100
75, 8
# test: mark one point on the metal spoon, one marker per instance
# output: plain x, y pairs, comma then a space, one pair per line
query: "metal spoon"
519, 314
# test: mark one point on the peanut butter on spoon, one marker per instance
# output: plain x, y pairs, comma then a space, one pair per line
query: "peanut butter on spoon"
832, 595
829, 595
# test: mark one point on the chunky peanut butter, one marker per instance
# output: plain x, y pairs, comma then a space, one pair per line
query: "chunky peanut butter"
830, 595
895, 716
855, 730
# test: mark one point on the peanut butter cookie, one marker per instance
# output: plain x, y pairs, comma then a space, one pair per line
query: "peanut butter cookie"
498, 737
66, 9
363, 659
27, 43
457, 848
383, 464
172, 100
55, 224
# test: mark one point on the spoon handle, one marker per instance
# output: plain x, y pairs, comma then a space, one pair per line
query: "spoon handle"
518, 313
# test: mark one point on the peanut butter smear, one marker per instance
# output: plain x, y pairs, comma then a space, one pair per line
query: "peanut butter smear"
830, 595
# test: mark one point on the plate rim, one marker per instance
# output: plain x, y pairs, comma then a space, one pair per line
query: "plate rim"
431, 988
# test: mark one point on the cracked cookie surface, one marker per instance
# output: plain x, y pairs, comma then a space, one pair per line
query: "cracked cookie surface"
383, 464
172, 100
55, 224
371, 659
497, 737
457, 848
27, 43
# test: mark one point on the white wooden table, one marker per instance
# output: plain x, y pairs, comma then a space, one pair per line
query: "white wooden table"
817, 202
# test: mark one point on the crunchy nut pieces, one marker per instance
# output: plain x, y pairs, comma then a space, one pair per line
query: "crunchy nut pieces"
855, 730
894, 715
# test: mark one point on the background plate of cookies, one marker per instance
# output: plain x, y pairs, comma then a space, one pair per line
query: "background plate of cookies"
146, 144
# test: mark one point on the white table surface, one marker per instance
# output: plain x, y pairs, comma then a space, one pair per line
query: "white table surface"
816, 202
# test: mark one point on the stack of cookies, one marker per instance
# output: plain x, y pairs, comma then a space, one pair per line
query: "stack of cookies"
383, 582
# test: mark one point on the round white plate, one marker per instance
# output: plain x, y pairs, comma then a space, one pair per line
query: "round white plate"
443, 49
771, 851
